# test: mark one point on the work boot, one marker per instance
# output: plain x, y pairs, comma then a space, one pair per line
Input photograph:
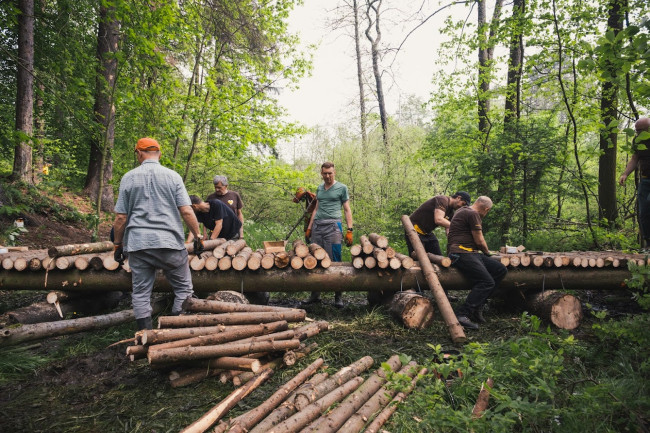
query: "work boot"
144, 323
477, 315
314, 298
466, 323
338, 300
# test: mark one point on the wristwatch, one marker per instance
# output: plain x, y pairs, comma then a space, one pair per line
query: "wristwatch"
350, 229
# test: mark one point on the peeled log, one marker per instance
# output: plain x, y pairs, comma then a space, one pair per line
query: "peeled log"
255, 260
326, 262
282, 259
235, 247
74, 249
317, 251
561, 309
240, 261
355, 250
443, 261
407, 262
300, 248
230, 319
309, 262
211, 306
366, 246
378, 240
415, 311
296, 262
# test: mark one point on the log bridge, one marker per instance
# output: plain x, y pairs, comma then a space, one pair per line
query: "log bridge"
554, 271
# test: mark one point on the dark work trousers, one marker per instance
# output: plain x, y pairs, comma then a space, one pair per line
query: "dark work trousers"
643, 200
484, 272
430, 243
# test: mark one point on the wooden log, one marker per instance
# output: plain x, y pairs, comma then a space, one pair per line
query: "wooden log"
355, 250
483, 399
309, 262
415, 311
230, 319
317, 251
298, 421
156, 336
300, 249
235, 247
240, 261
208, 244
268, 260
225, 263
390, 408
357, 262
7, 263
370, 262
220, 250
189, 376
109, 262
255, 260
226, 336
198, 262
366, 246
34, 264
228, 349
443, 261
353, 402
210, 306
380, 399
296, 262
378, 240
560, 309
525, 260
505, 260
310, 329
218, 411
211, 263
515, 261
97, 263
75, 249
394, 263
35, 313
382, 264
455, 329
407, 262
390, 252
325, 262
20, 264
380, 254
282, 259
538, 261
136, 352
248, 420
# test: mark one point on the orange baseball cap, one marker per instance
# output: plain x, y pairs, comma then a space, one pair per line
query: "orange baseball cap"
147, 144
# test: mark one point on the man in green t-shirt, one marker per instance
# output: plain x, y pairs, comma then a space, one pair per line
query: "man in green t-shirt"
325, 228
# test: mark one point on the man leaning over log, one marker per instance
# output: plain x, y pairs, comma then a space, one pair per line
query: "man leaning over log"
325, 227
148, 229
435, 212
216, 217
470, 255
641, 157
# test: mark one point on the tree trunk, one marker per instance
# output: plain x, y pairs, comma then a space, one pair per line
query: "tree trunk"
560, 309
22, 169
362, 95
415, 311
456, 331
513, 85
100, 164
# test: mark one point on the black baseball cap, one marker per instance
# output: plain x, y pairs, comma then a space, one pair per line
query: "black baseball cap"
464, 196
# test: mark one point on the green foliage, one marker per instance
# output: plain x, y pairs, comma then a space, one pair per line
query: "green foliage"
640, 283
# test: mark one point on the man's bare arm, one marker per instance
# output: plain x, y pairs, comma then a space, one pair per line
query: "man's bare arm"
480, 241
119, 224
348, 214
187, 213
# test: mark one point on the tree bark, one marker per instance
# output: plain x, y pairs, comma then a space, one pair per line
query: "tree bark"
76, 249
415, 311
22, 169
362, 95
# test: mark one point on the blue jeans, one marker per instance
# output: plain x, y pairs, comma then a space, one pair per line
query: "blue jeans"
485, 274
643, 200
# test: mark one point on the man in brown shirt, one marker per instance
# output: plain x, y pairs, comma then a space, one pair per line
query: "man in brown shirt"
435, 212
465, 244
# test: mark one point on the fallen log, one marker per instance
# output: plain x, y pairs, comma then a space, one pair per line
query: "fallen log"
218, 411
182, 378
394, 263
75, 249
415, 311
296, 262
355, 250
155, 336
455, 329
244, 318
268, 260
325, 262
136, 352
560, 309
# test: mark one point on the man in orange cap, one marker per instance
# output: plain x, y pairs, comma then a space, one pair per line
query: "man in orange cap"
148, 228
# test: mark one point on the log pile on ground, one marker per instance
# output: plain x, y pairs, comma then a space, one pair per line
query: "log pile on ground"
373, 251
310, 402
230, 340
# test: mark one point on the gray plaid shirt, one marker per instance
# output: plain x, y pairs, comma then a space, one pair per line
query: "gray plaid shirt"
150, 196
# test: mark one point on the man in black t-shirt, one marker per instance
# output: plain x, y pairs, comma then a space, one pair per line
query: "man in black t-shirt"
465, 243
217, 217
435, 212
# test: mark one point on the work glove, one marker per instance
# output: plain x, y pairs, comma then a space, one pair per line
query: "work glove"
308, 235
118, 254
348, 238
198, 246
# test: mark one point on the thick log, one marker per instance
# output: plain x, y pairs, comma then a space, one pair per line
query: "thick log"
298, 421
355, 250
136, 352
109, 262
448, 315
64, 263
268, 260
378, 240
353, 402
75, 249
309, 262
390, 252
20, 264
370, 262
49, 312
357, 262
560, 309
246, 318
525, 260
407, 262
317, 251
296, 262
240, 261
246, 421
300, 249
483, 399
34, 313
156, 336
225, 263
282, 259
415, 311
211, 263
49, 263
515, 261
394, 263
366, 246
255, 260
210, 306
228, 349
382, 264
385, 414
235, 247
229, 296
218, 411
198, 262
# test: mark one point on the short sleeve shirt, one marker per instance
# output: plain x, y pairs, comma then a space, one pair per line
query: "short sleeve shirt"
150, 196
220, 211
330, 201
423, 216
231, 198
460, 239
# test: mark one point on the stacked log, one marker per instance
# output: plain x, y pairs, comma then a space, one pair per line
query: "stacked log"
373, 251
225, 339
575, 259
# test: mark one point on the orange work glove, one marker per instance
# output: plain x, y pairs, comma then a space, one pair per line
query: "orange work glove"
348, 238
308, 234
